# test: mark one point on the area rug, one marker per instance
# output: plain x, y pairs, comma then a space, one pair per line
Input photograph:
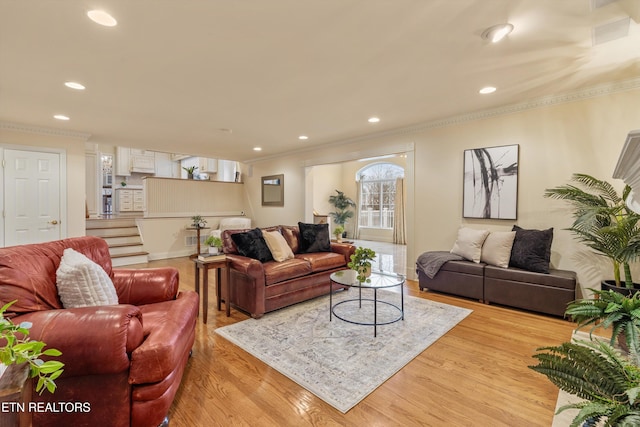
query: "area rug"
341, 362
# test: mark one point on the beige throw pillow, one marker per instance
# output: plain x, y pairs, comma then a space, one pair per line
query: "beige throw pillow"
469, 243
496, 249
82, 283
280, 250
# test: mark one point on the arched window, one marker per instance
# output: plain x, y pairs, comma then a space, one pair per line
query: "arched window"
377, 194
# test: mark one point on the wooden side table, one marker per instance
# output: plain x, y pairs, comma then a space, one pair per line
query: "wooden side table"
205, 266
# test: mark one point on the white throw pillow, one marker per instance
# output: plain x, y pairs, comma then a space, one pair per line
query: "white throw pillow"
81, 282
496, 249
280, 250
469, 243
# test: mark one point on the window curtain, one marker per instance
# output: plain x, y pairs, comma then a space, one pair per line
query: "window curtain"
399, 226
356, 221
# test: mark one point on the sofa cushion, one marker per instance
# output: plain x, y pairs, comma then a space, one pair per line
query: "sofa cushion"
531, 249
466, 267
83, 283
554, 278
314, 238
278, 246
252, 245
469, 243
496, 249
275, 272
322, 261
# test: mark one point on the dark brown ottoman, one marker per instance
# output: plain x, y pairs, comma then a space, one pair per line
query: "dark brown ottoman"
462, 278
543, 293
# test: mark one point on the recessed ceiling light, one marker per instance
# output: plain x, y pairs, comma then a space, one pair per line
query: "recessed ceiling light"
373, 119
303, 137
486, 90
103, 18
497, 32
74, 85
257, 149
61, 117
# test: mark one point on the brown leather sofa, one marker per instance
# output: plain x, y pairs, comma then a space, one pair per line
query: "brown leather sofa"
258, 288
513, 287
124, 362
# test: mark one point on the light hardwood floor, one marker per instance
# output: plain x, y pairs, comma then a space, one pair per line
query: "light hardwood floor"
475, 375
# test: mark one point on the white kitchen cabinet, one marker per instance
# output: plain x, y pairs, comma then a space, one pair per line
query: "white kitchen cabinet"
123, 161
208, 165
129, 200
142, 161
165, 166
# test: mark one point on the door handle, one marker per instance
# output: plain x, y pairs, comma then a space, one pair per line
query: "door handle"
54, 222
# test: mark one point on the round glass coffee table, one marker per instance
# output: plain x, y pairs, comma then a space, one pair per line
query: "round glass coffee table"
378, 280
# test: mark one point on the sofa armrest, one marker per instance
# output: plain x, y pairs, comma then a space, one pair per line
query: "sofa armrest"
145, 286
344, 249
93, 340
248, 266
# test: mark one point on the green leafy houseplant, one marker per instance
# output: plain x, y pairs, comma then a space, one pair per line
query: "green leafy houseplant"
610, 309
214, 242
198, 221
342, 204
361, 262
603, 221
594, 371
338, 232
190, 170
18, 349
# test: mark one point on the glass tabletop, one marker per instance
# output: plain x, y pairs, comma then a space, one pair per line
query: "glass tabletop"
379, 279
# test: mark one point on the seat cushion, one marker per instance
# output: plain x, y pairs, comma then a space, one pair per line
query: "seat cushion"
322, 261
275, 272
554, 278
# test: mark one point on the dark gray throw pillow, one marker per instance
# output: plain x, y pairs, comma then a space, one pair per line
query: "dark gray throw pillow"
251, 244
314, 238
531, 249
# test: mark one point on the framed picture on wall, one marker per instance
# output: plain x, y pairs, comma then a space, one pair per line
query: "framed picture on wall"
490, 183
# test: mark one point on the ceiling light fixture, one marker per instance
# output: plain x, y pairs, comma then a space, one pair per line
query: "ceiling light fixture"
487, 90
497, 32
373, 119
103, 18
74, 85
61, 117
303, 137
257, 149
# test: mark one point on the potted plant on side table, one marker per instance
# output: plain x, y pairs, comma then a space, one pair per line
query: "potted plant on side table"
338, 233
604, 223
342, 203
361, 263
215, 244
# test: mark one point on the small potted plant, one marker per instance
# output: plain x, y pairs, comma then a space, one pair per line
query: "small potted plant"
198, 222
361, 263
214, 243
338, 233
190, 171
20, 352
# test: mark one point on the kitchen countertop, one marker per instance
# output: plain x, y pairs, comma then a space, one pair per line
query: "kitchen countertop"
130, 187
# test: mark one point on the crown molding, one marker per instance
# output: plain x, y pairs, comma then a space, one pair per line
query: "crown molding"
547, 101
19, 127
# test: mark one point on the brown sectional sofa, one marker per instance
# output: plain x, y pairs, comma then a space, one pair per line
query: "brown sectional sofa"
260, 287
514, 287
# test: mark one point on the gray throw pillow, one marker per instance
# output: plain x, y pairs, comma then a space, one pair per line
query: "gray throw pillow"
531, 249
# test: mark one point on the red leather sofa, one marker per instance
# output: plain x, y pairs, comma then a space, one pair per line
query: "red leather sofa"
258, 288
123, 362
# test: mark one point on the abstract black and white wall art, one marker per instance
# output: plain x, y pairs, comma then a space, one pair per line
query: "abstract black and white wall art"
491, 182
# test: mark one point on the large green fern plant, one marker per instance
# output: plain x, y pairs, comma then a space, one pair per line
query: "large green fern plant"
603, 221
610, 309
594, 371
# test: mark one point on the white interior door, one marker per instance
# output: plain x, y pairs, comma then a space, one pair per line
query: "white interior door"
31, 197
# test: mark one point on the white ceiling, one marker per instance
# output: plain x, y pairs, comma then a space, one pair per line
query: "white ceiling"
173, 75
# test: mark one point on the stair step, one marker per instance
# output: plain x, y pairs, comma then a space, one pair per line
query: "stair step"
129, 260
129, 254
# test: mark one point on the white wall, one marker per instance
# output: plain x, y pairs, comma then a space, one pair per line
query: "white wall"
556, 141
